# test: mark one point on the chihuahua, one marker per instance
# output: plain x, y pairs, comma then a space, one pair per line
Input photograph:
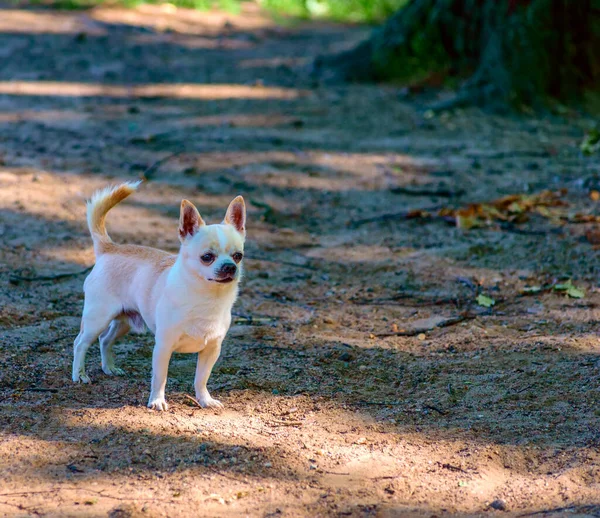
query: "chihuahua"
184, 299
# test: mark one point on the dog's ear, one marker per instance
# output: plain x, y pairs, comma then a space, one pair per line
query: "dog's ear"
189, 220
236, 215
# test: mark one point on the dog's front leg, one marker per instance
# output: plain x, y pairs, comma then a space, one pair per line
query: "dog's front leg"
163, 349
206, 361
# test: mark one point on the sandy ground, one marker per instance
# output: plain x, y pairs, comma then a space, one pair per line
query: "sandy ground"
493, 412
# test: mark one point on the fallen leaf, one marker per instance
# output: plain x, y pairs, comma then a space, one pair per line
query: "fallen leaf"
485, 301
575, 293
570, 290
466, 222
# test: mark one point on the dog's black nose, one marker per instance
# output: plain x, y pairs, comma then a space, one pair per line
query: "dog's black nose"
228, 269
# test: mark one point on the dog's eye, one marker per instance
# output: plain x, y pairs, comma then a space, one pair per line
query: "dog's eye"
208, 258
237, 257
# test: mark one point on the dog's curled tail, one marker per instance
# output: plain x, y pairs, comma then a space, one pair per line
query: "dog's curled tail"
100, 203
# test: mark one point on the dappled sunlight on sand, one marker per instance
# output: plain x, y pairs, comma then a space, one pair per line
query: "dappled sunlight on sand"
159, 18
168, 90
185, 21
243, 450
18, 21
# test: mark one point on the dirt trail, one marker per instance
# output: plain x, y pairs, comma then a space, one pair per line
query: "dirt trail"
323, 416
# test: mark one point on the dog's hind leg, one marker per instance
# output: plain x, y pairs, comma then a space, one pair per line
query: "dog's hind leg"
95, 320
118, 327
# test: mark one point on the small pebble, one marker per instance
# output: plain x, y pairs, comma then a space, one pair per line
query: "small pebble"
499, 505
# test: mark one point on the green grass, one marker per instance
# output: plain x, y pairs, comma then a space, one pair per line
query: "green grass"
364, 11
353, 11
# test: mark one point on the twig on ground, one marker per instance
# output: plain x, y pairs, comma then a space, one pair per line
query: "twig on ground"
276, 422
250, 320
424, 191
41, 389
193, 400
21, 507
436, 409
525, 388
444, 323
451, 467
16, 279
510, 154
100, 493
381, 403
149, 172
584, 509
335, 473
409, 298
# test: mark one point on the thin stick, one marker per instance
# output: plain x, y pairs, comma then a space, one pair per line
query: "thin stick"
435, 409
193, 400
451, 467
22, 508
424, 191
16, 279
41, 389
444, 323
524, 389
582, 508
148, 173
100, 493
382, 403
285, 423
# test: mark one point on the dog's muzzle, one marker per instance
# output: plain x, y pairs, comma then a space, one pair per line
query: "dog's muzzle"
226, 273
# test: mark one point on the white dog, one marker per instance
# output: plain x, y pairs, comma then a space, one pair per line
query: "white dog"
184, 299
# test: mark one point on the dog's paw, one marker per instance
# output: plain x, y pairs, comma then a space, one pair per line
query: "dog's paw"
111, 370
206, 401
81, 377
158, 403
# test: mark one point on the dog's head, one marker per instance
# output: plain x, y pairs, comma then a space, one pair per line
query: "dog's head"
213, 252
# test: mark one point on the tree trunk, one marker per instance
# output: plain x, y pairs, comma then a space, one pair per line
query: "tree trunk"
509, 51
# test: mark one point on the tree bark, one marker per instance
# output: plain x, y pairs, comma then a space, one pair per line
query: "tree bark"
507, 51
